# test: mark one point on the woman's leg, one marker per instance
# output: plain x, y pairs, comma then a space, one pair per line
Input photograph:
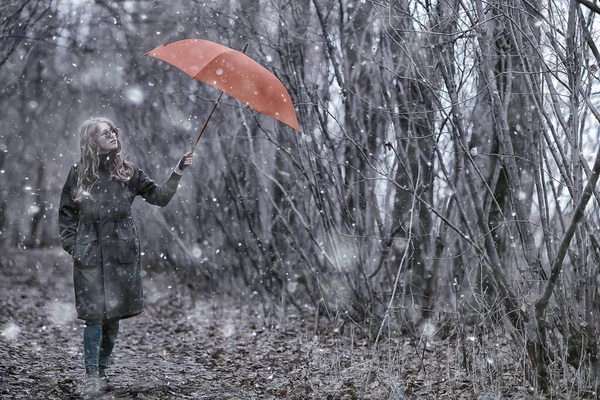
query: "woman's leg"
92, 340
110, 330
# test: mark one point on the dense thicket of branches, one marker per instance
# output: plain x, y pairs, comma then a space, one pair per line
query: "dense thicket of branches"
445, 172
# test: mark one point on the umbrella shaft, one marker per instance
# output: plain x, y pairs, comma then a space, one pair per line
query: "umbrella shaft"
208, 119
213, 110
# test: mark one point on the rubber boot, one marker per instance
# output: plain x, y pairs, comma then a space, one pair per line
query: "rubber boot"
92, 385
105, 384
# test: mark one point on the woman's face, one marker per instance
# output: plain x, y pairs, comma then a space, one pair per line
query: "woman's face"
108, 139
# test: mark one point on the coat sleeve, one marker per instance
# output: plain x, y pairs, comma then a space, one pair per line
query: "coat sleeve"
68, 214
153, 193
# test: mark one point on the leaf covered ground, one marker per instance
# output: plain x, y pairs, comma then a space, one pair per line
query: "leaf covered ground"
218, 349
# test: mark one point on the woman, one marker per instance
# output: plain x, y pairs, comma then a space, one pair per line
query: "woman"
97, 229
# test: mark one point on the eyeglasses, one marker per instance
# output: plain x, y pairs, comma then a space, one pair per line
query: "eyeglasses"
110, 132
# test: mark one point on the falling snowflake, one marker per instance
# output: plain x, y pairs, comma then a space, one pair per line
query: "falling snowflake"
135, 95
10, 331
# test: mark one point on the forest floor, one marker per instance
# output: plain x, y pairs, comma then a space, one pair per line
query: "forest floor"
217, 349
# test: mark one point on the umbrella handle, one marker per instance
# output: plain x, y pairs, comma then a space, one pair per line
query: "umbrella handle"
213, 110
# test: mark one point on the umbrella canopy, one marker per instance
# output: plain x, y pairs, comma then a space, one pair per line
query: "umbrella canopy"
234, 73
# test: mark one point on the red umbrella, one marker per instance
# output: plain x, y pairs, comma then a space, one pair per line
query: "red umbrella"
232, 72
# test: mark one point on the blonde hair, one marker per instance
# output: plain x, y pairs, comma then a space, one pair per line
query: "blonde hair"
89, 163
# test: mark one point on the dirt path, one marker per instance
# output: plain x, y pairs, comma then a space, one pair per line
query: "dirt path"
215, 350
212, 351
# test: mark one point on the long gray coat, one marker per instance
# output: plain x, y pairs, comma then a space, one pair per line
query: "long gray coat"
100, 234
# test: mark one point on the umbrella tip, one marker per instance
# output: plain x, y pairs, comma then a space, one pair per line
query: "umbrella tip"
153, 52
